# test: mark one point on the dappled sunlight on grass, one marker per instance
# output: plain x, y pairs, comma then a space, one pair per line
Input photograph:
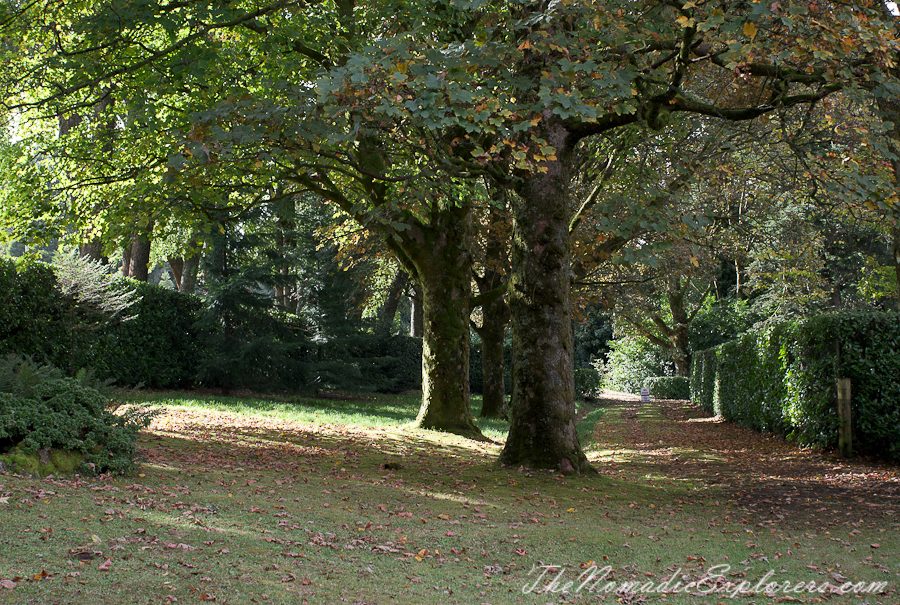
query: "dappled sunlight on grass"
248, 501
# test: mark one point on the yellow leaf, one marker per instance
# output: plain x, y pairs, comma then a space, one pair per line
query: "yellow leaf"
685, 21
750, 29
525, 45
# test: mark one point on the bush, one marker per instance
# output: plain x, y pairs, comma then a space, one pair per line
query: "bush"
632, 360
668, 387
784, 380
32, 310
41, 409
587, 382
366, 362
158, 346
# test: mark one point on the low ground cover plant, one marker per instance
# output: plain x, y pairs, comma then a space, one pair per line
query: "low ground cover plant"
54, 424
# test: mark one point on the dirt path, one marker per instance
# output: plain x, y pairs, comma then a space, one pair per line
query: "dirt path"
761, 475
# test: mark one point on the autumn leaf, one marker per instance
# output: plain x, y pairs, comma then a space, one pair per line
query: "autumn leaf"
750, 29
8, 584
105, 565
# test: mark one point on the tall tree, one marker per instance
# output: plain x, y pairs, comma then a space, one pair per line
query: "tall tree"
462, 89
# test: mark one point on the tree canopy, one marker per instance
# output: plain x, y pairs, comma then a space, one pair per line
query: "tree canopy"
130, 116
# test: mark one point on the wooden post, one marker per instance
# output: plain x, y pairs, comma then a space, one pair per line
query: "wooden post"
845, 432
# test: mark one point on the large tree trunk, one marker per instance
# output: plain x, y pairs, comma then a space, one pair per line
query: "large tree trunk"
391, 302
140, 254
189, 274
495, 316
441, 258
542, 430
126, 261
680, 332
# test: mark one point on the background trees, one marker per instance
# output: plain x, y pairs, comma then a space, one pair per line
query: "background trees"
196, 113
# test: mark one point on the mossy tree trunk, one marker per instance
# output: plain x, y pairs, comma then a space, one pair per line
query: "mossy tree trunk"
495, 317
542, 412
440, 254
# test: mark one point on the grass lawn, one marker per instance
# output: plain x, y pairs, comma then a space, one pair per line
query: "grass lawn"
242, 500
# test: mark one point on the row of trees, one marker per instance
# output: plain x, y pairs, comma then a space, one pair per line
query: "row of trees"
527, 144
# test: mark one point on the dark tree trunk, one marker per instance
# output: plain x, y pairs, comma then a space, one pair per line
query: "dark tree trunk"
140, 254
495, 316
126, 261
442, 262
680, 330
542, 429
416, 316
189, 275
93, 250
391, 303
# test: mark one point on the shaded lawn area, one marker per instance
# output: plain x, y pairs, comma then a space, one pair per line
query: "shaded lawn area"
243, 500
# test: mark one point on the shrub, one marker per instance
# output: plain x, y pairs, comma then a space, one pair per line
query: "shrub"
587, 382
41, 409
668, 387
157, 346
703, 380
32, 309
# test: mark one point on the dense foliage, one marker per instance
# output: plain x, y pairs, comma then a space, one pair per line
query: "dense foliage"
668, 387
32, 310
632, 360
784, 380
42, 409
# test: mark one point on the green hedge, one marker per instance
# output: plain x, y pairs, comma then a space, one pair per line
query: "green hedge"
668, 387
158, 346
32, 310
703, 380
784, 380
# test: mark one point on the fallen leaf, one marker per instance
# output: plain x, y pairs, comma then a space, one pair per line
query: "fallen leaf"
105, 565
8, 584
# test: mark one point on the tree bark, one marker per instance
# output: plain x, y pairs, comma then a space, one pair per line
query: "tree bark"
140, 254
542, 429
416, 317
391, 302
680, 331
440, 253
126, 261
495, 316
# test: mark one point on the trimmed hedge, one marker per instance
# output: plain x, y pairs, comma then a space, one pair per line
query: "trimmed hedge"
32, 312
668, 387
784, 380
158, 346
